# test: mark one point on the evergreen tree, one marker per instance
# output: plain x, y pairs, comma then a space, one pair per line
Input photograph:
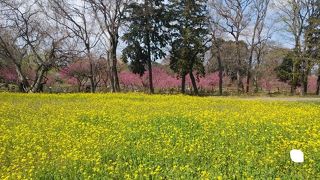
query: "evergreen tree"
285, 71
312, 39
189, 31
145, 36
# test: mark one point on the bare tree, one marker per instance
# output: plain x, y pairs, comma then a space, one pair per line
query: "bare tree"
109, 14
28, 39
216, 48
260, 8
235, 15
75, 16
294, 14
260, 51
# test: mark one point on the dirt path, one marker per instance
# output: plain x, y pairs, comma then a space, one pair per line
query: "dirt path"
316, 99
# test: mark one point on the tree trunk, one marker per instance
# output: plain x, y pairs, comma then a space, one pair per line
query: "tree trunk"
148, 43
305, 88
239, 82
183, 84
220, 72
249, 72
150, 76
91, 78
293, 81
110, 73
261, 7
36, 87
24, 84
257, 68
114, 64
256, 89
248, 81
296, 61
79, 85
305, 83
194, 84
292, 90
306, 75
112, 81
115, 75
318, 83
92, 72
79, 88
318, 86
151, 89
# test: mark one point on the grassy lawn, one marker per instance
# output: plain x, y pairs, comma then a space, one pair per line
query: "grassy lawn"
137, 136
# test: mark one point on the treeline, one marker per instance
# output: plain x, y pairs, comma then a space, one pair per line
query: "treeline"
92, 44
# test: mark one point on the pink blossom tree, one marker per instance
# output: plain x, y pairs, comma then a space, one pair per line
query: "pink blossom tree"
76, 74
209, 82
8, 74
162, 80
130, 80
312, 84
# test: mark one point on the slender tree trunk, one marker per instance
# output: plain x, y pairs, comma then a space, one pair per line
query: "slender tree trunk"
318, 86
305, 82
220, 72
305, 87
256, 80
92, 73
239, 82
151, 88
259, 22
303, 78
79, 88
91, 77
183, 83
257, 68
318, 83
150, 77
250, 59
248, 81
194, 83
306, 75
292, 89
293, 81
249, 71
220, 82
112, 81
256, 89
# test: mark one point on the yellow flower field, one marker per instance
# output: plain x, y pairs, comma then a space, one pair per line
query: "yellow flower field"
136, 136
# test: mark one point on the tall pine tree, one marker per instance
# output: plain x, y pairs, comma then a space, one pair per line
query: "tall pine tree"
189, 31
145, 36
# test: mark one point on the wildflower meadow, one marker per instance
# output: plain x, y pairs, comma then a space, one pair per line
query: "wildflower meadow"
138, 136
